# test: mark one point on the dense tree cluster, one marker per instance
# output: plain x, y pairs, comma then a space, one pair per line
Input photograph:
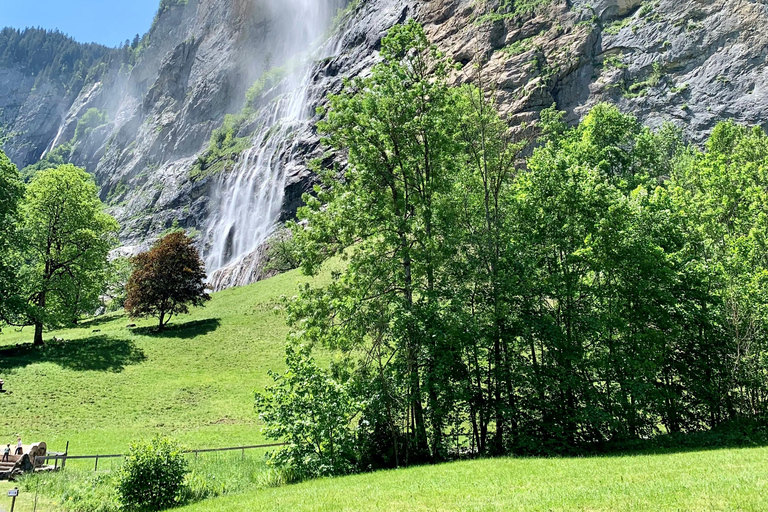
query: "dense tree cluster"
610, 288
51, 55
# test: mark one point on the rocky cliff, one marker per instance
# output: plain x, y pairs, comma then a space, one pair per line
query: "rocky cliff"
689, 62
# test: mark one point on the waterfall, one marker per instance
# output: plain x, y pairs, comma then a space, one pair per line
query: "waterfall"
246, 204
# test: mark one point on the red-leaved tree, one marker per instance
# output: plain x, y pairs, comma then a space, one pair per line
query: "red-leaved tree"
167, 280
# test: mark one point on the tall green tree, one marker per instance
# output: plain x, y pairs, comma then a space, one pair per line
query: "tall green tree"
603, 244
482, 278
11, 193
67, 239
609, 290
724, 189
396, 129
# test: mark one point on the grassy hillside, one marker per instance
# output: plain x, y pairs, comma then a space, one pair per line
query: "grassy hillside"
700, 481
728, 479
100, 390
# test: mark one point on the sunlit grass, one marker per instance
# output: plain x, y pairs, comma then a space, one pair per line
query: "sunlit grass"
732, 479
195, 382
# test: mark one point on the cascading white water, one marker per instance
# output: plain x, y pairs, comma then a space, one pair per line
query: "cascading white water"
246, 204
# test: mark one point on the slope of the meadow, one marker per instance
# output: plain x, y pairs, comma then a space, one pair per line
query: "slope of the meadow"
732, 479
108, 384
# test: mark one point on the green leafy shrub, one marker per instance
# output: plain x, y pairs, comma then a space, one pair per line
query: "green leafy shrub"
92, 119
224, 148
62, 153
509, 9
152, 476
311, 411
268, 80
59, 155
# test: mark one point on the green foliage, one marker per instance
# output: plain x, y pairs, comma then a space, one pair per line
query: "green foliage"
228, 142
165, 5
58, 156
11, 193
114, 294
639, 89
385, 207
93, 118
61, 154
343, 14
519, 47
615, 27
224, 148
53, 56
282, 252
614, 62
508, 9
152, 475
310, 410
267, 81
167, 280
723, 192
67, 238
576, 302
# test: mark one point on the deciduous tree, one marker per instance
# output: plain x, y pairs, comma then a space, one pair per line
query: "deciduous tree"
11, 193
67, 239
167, 280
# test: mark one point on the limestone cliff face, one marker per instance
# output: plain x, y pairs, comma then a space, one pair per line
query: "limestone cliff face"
690, 62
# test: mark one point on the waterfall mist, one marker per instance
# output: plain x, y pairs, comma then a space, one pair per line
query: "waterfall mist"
246, 204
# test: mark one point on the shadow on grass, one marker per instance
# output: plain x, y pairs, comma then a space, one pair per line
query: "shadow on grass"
101, 320
185, 331
744, 433
97, 353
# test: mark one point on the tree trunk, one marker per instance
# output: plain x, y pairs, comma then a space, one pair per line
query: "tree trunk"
39, 334
420, 430
39, 323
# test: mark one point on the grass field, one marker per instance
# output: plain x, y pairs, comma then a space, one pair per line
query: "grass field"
715, 480
734, 479
195, 382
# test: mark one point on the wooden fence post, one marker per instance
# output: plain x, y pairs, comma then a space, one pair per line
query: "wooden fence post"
64, 459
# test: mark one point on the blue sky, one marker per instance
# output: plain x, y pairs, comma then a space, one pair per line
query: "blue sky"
108, 22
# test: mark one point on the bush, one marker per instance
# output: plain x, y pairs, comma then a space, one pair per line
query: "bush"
312, 412
91, 120
152, 476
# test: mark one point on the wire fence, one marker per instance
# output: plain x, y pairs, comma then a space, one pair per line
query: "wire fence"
106, 461
461, 443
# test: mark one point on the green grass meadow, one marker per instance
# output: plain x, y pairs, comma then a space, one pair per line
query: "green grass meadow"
729, 479
195, 382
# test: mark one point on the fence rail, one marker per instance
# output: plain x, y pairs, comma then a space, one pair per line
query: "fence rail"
64, 457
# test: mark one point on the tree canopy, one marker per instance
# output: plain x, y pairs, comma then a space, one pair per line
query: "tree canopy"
167, 280
67, 237
609, 288
11, 193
